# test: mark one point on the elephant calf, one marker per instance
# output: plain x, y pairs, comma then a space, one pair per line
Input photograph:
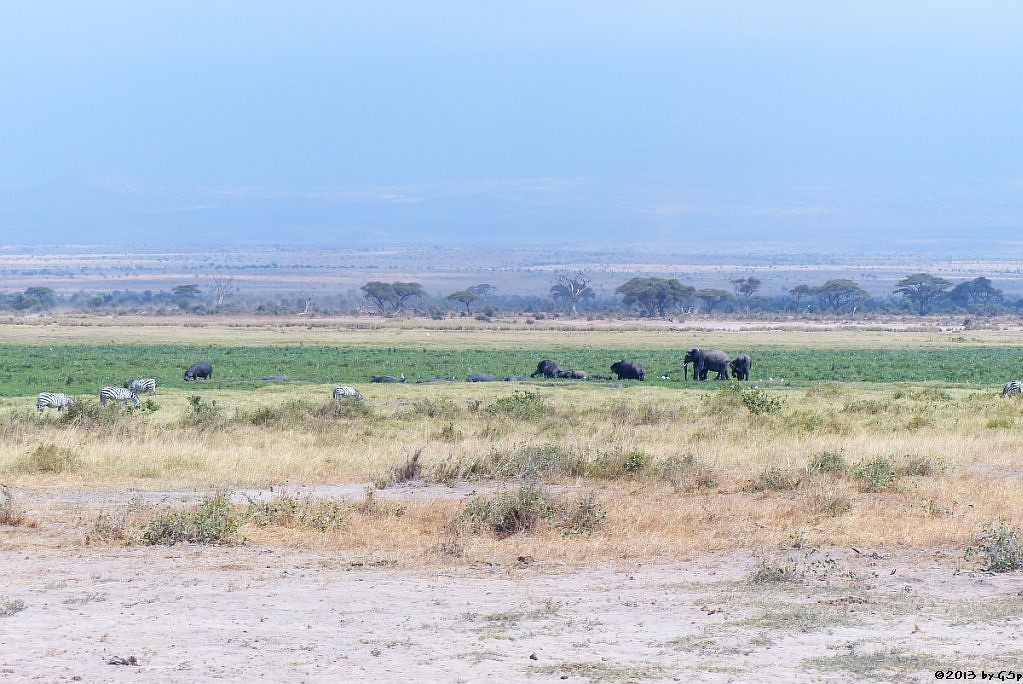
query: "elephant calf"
628, 370
740, 366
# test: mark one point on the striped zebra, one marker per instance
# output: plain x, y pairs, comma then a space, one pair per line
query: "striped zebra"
118, 394
1014, 387
57, 400
140, 385
344, 391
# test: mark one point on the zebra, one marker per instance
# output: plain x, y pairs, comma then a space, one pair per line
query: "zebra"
57, 400
344, 391
1013, 387
118, 394
140, 385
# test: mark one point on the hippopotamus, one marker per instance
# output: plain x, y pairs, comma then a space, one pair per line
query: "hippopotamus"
203, 369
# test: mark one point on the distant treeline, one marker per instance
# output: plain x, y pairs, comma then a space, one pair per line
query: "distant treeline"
919, 293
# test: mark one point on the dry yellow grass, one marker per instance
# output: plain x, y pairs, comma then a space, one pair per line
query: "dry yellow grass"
963, 444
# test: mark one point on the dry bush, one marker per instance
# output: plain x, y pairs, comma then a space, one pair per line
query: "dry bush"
49, 458
773, 479
407, 470
687, 474
525, 509
213, 521
998, 547
10, 513
293, 511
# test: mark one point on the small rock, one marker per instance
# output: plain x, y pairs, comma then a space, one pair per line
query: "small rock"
532, 656
118, 660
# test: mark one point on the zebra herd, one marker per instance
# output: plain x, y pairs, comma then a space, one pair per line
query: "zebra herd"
60, 401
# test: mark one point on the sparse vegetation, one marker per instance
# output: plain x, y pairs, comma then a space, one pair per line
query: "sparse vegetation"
998, 547
213, 521
49, 458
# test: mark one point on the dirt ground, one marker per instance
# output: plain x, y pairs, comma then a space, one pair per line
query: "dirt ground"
190, 613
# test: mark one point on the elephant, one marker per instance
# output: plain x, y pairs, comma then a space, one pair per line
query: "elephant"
203, 369
572, 374
387, 378
628, 370
481, 377
704, 361
546, 368
740, 366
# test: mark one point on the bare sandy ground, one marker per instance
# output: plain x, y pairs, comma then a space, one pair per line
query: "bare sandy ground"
191, 614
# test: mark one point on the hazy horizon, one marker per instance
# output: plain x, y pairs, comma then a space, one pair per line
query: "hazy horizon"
739, 128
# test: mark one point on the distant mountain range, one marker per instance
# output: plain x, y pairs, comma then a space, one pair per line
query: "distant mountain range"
515, 213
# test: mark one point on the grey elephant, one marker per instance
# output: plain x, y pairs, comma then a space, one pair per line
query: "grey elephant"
546, 368
626, 369
704, 361
740, 366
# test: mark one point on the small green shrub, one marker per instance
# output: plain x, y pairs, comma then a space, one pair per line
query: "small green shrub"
612, 465
429, 408
49, 458
772, 479
213, 521
324, 515
521, 405
9, 607
876, 474
524, 509
687, 474
827, 462
759, 402
203, 415
998, 548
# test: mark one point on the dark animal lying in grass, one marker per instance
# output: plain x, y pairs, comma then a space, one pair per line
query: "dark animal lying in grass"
388, 378
547, 368
517, 378
276, 378
481, 377
573, 375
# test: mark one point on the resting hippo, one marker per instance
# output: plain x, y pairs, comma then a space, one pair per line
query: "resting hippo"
517, 378
628, 370
203, 369
388, 378
276, 378
481, 377
546, 368
573, 374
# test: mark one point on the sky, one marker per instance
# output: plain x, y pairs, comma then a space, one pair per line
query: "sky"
453, 122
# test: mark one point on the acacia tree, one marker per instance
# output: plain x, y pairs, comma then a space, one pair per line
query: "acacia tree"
922, 290
381, 294
405, 292
654, 296
746, 288
976, 295
797, 293
572, 289
465, 297
713, 296
185, 294
839, 294
484, 290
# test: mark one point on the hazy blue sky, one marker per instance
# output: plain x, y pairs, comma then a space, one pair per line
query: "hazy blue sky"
666, 119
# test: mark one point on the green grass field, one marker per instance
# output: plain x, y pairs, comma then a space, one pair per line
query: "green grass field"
82, 368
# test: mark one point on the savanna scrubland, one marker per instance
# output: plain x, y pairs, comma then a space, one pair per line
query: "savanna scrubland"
838, 515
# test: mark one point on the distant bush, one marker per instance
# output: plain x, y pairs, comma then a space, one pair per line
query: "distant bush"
213, 521
876, 474
758, 402
203, 415
407, 470
324, 515
525, 509
49, 458
772, 478
687, 474
10, 513
827, 462
521, 405
998, 548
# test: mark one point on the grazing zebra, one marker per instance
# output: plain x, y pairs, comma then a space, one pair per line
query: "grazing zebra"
118, 394
1014, 387
140, 385
57, 400
345, 392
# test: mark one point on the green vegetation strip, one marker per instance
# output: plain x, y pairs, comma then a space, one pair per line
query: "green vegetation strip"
81, 369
